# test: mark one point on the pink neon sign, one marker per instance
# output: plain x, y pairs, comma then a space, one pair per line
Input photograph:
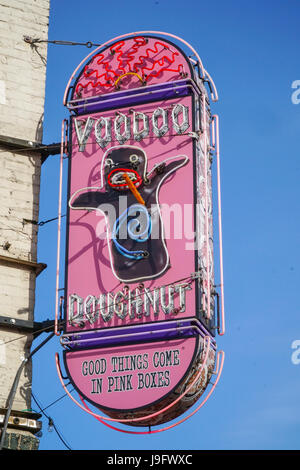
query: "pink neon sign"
139, 287
128, 63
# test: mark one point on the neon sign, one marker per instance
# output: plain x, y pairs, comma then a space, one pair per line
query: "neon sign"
108, 69
107, 129
140, 304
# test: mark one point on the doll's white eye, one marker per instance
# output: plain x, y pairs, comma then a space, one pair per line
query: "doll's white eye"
134, 158
109, 162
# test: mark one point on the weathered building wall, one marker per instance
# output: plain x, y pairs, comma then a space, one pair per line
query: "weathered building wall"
22, 90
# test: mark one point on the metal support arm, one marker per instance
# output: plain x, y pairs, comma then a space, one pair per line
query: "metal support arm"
27, 326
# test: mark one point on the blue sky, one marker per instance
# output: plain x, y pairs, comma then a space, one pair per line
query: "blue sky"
251, 49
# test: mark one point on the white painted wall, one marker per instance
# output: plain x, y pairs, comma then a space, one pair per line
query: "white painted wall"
22, 92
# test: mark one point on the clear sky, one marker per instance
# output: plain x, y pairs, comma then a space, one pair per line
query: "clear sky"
251, 49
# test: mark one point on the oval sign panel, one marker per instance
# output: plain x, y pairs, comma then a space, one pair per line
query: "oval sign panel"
141, 307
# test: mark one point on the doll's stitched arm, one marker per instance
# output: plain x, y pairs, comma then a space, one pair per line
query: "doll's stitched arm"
163, 169
88, 199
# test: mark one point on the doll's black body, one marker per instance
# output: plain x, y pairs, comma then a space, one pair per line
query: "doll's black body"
134, 258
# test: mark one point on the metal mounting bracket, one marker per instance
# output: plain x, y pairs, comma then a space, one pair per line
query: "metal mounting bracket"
26, 420
26, 326
21, 145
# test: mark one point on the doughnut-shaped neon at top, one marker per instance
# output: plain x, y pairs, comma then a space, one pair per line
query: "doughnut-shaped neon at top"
203, 73
148, 59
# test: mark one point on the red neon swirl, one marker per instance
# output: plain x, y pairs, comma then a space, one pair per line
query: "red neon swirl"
121, 57
129, 62
159, 62
106, 75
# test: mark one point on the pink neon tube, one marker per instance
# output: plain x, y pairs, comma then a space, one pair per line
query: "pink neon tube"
142, 418
216, 119
213, 135
59, 225
206, 203
136, 33
214, 95
219, 369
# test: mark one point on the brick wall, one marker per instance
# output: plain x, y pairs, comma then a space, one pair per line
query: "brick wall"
22, 89
22, 67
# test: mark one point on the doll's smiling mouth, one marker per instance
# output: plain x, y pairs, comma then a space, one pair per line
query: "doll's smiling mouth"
116, 178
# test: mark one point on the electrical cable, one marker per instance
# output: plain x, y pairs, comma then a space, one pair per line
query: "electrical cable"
51, 423
104, 308
42, 330
57, 400
43, 222
17, 149
13, 390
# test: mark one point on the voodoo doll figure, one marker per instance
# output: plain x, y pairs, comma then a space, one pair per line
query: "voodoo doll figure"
137, 247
